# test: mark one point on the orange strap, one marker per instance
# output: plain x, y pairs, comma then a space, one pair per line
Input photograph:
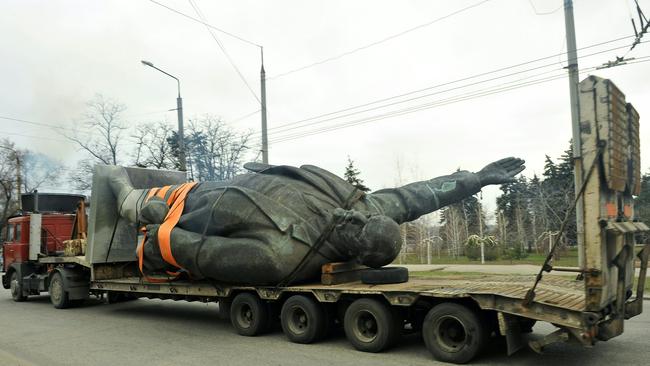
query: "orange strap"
174, 214
177, 202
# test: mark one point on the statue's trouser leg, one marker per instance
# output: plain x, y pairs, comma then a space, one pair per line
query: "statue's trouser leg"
237, 260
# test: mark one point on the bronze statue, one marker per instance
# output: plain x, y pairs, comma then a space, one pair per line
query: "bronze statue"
280, 223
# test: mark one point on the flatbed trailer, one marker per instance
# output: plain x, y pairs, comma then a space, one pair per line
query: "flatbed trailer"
456, 316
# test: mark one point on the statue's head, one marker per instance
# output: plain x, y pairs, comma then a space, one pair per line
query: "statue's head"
373, 241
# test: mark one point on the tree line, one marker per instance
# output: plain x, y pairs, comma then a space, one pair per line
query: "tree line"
213, 150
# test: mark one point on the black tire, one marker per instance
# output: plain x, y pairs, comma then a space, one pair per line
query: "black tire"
113, 297
16, 288
58, 294
454, 333
526, 325
384, 275
303, 319
224, 308
249, 315
371, 326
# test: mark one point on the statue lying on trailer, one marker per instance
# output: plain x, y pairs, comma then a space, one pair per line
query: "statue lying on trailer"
281, 223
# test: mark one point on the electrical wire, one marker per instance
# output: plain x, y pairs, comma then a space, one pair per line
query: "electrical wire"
460, 98
416, 108
303, 124
377, 101
375, 43
543, 12
206, 24
223, 49
3, 133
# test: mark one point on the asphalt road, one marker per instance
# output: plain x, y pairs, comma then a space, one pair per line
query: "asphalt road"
155, 332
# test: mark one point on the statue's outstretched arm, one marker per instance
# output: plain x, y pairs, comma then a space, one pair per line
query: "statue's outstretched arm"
411, 201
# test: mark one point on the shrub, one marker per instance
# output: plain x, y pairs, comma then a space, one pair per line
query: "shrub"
515, 253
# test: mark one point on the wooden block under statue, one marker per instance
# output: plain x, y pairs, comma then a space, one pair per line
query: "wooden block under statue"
340, 272
74, 247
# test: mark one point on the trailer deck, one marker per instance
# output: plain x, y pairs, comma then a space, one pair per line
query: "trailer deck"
558, 300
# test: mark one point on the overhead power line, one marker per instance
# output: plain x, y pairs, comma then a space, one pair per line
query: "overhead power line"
206, 24
537, 12
223, 49
375, 43
31, 136
417, 108
463, 97
354, 109
644, 24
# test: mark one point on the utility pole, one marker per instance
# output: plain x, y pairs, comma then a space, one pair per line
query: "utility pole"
19, 180
265, 141
181, 134
480, 230
574, 79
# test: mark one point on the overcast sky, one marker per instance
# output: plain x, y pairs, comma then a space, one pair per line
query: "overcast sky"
55, 55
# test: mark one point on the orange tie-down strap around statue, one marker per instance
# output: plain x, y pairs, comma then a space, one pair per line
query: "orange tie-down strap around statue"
176, 201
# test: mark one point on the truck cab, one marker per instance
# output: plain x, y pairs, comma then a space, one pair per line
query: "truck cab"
55, 228
38, 240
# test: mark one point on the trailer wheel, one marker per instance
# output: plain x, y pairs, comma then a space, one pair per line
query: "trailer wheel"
249, 315
58, 295
371, 326
16, 288
303, 319
454, 333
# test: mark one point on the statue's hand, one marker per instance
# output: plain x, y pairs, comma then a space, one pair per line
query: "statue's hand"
501, 171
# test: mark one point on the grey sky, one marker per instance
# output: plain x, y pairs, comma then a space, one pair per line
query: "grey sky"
57, 54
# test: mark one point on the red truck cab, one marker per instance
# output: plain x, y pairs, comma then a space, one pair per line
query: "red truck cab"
55, 228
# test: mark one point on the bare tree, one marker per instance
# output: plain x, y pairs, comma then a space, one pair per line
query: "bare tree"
38, 169
215, 150
99, 137
9, 164
152, 146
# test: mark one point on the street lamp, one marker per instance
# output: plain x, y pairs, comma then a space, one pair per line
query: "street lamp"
179, 109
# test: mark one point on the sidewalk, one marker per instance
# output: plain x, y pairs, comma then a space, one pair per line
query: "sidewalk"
485, 268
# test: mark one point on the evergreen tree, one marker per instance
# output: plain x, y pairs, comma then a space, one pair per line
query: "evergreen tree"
514, 208
352, 176
642, 206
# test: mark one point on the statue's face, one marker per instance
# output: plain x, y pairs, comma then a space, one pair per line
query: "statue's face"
380, 242
373, 241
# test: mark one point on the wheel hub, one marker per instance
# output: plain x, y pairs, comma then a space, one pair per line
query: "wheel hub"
245, 317
366, 327
298, 322
451, 333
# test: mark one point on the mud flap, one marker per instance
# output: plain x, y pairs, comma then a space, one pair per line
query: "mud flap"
509, 327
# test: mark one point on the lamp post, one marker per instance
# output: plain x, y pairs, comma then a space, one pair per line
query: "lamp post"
179, 109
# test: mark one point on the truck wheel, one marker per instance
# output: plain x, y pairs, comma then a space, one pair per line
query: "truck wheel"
16, 287
371, 326
303, 319
224, 308
249, 315
58, 295
453, 333
384, 275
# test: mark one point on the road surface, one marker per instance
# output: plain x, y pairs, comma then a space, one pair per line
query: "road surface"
156, 332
